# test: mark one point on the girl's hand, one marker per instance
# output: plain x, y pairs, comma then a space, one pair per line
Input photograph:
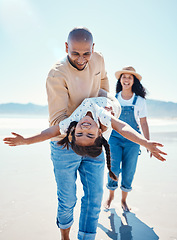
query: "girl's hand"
14, 141
156, 152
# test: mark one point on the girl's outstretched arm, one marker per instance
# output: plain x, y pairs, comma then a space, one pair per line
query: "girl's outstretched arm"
44, 135
128, 132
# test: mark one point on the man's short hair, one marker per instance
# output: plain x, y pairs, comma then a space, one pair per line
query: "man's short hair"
80, 34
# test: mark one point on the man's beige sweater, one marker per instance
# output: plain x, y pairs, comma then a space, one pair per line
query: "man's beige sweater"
67, 87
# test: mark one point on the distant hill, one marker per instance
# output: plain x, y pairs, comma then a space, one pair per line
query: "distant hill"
161, 109
156, 109
23, 109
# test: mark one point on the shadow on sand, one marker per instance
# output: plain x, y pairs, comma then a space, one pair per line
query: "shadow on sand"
128, 227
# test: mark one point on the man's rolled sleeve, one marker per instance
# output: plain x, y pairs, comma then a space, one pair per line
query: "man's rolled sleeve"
57, 93
104, 79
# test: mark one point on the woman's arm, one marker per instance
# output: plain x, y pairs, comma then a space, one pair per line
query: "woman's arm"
145, 127
44, 135
128, 132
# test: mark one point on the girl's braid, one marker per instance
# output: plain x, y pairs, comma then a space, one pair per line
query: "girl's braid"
108, 158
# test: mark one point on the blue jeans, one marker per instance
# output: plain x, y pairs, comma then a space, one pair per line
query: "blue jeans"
66, 164
124, 155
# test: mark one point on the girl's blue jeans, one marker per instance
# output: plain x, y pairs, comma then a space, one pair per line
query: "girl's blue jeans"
66, 165
124, 155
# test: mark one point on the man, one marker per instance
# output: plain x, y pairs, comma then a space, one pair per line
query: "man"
80, 75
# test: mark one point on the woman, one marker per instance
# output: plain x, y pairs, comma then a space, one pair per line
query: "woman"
124, 153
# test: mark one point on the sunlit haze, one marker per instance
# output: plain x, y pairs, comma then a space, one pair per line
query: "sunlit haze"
139, 33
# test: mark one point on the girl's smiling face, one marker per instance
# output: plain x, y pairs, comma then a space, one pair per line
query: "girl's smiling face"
127, 81
86, 131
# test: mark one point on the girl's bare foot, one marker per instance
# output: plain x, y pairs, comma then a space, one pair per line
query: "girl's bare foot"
125, 206
108, 202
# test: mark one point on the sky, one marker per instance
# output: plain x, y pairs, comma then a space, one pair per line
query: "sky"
138, 33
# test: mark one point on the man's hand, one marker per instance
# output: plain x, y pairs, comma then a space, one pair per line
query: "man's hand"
109, 109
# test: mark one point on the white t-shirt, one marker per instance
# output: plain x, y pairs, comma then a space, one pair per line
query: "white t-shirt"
96, 107
140, 107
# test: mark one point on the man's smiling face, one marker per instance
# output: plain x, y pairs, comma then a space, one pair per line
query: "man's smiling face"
79, 53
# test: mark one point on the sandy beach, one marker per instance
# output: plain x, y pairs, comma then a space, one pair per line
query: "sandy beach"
28, 199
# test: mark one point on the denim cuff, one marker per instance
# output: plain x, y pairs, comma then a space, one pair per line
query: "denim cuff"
86, 236
126, 189
64, 226
111, 188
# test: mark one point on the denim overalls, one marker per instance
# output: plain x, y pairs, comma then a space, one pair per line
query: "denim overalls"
124, 153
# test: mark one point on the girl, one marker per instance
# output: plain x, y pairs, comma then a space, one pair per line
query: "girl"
131, 95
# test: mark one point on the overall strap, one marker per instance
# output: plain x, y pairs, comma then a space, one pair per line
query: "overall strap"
135, 99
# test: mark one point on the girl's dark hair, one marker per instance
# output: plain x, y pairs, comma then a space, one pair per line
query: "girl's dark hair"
137, 87
92, 151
